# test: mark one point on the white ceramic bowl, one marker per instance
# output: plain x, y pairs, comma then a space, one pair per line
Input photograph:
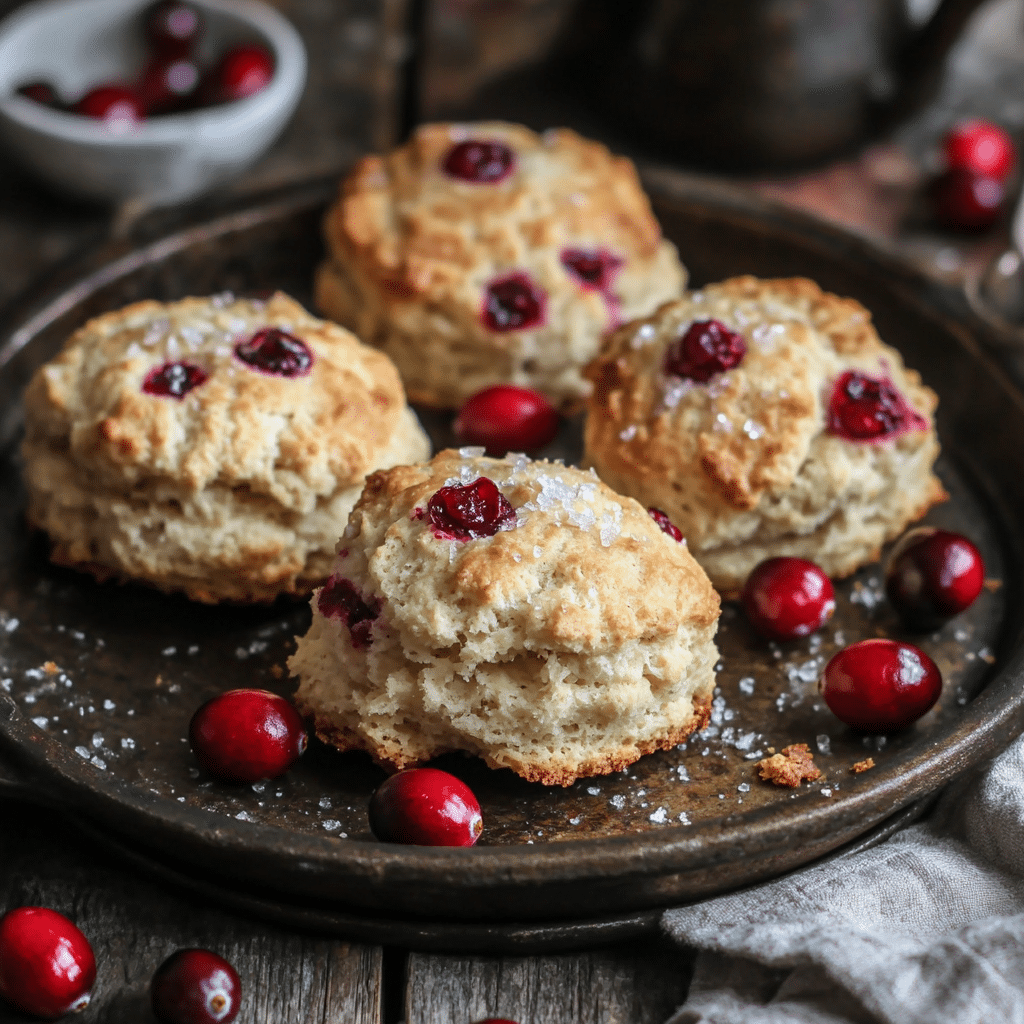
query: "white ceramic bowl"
76, 45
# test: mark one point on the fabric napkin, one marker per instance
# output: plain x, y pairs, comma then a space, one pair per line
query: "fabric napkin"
925, 928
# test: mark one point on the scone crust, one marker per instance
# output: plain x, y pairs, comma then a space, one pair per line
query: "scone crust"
585, 618
743, 464
413, 249
231, 492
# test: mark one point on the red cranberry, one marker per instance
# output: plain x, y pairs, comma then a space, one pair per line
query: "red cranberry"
933, 575
864, 408
507, 418
117, 107
666, 524
168, 85
981, 147
276, 352
465, 513
340, 599
174, 380
880, 685
595, 268
425, 807
513, 303
247, 735
195, 986
967, 201
243, 71
788, 597
480, 162
41, 92
708, 347
172, 28
47, 967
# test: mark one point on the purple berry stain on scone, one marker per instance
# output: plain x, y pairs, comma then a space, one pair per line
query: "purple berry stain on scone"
480, 162
666, 524
276, 352
340, 599
864, 408
174, 380
513, 303
465, 513
596, 269
707, 348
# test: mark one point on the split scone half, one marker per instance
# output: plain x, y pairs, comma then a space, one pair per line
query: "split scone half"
213, 446
480, 254
519, 611
765, 417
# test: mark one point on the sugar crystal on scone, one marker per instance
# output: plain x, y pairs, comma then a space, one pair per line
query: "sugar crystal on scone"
519, 611
480, 254
212, 446
765, 417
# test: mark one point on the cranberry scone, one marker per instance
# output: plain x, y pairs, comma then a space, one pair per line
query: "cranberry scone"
479, 254
765, 417
519, 611
213, 446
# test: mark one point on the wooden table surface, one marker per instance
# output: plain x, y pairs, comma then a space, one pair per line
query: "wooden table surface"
356, 47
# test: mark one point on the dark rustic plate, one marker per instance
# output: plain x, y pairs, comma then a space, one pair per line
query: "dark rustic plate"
97, 683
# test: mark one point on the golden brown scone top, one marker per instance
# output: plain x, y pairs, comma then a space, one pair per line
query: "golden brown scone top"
747, 431
291, 438
419, 233
590, 568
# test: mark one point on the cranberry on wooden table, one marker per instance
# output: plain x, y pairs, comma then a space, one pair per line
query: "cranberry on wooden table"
980, 147
785, 598
465, 513
933, 575
479, 161
506, 418
706, 348
247, 735
195, 986
425, 807
880, 686
47, 967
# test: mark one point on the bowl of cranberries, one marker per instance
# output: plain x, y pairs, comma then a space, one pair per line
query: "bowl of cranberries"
156, 101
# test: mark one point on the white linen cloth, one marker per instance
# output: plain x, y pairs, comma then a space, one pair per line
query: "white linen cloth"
925, 928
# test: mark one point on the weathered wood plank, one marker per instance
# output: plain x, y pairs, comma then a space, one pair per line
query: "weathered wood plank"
287, 978
638, 984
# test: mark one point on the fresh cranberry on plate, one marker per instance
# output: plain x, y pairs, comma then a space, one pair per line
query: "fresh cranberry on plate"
933, 575
506, 418
172, 28
247, 735
880, 686
513, 303
425, 807
242, 72
706, 348
476, 510
47, 967
479, 161
965, 200
195, 986
980, 147
41, 92
120, 108
785, 598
